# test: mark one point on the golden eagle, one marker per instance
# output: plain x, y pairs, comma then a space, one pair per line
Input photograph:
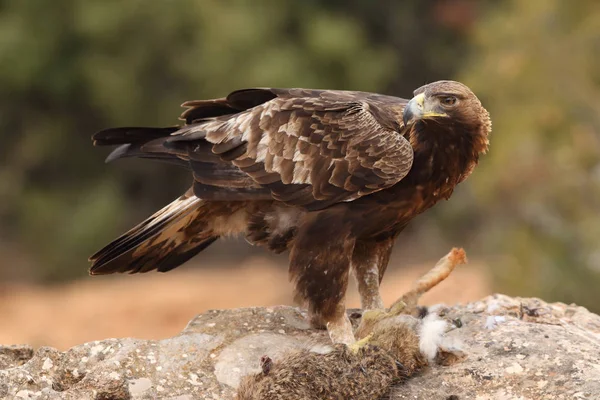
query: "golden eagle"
333, 176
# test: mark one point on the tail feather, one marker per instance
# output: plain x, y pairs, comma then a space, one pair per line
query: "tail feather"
162, 242
135, 141
125, 135
135, 150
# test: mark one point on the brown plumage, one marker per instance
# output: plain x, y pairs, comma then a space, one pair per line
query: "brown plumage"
332, 176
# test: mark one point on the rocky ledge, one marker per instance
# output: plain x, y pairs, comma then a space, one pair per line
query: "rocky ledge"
517, 348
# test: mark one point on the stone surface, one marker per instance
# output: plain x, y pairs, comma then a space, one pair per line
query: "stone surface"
517, 349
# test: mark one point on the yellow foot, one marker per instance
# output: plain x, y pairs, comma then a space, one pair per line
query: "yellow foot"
356, 346
398, 308
370, 318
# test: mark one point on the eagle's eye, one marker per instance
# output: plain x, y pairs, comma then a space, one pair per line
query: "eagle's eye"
448, 101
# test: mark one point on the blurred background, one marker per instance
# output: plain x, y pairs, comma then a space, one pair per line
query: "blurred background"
529, 217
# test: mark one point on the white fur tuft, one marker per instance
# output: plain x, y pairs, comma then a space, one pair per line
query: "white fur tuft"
431, 334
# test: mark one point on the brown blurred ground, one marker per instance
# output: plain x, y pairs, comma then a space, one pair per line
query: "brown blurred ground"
156, 306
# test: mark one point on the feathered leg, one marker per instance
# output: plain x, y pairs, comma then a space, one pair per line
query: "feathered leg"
319, 266
369, 262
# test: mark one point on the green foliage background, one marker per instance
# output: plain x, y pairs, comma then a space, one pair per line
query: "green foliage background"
71, 67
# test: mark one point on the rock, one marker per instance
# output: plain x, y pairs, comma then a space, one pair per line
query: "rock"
516, 349
11, 356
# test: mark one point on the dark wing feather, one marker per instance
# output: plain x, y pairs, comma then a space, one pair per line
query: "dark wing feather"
309, 148
163, 241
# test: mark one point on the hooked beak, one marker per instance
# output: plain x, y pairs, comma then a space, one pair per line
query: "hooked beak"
417, 109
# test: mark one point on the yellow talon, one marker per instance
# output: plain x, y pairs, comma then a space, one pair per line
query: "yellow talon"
374, 315
398, 307
356, 346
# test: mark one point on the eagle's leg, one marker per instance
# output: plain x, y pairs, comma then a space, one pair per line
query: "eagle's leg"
319, 266
369, 262
339, 326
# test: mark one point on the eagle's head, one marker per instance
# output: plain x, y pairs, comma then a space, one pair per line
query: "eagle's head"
453, 106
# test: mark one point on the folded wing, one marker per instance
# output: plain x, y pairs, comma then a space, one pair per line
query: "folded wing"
307, 148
